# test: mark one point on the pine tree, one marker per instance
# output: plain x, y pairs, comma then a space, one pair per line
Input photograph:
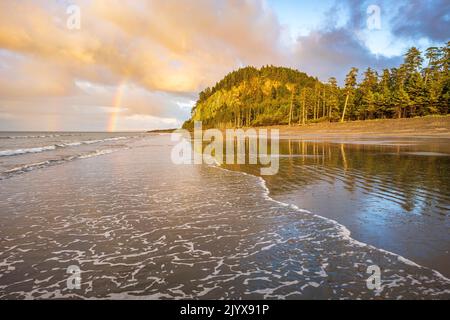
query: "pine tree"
350, 83
444, 94
368, 88
400, 98
383, 96
277, 95
413, 84
333, 99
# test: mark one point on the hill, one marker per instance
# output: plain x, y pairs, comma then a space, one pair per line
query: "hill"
278, 95
251, 97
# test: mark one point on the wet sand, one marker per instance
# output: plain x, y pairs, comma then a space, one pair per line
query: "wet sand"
392, 193
431, 127
138, 226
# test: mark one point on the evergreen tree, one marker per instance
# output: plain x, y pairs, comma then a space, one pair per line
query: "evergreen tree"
350, 83
368, 88
383, 96
276, 95
413, 82
333, 99
400, 98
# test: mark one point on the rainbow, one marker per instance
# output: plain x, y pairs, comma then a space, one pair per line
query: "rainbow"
117, 104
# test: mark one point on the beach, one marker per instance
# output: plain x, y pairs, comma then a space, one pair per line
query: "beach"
421, 127
140, 227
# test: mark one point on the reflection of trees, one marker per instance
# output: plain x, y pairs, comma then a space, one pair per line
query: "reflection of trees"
412, 181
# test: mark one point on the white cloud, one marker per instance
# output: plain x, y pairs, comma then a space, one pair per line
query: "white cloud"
162, 52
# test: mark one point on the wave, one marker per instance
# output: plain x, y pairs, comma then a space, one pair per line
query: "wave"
38, 136
102, 140
342, 230
97, 153
44, 164
7, 153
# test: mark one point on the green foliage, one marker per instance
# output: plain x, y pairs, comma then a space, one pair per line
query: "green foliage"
277, 95
251, 97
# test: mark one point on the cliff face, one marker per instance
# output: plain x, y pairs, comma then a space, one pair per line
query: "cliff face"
252, 97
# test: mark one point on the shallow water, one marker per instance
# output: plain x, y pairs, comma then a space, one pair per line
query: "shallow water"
140, 227
393, 194
23, 152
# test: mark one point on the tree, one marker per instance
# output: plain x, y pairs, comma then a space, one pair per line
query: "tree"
368, 87
317, 90
400, 97
413, 82
433, 55
291, 106
383, 95
276, 95
350, 83
413, 60
444, 94
332, 99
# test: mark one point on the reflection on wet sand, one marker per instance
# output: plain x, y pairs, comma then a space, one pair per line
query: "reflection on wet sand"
393, 194
138, 226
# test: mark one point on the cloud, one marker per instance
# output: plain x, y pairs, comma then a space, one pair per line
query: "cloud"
336, 47
162, 45
341, 43
91, 107
29, 77
335, 52
165, 51
427, 19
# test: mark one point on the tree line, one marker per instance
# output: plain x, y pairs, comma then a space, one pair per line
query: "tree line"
271, 95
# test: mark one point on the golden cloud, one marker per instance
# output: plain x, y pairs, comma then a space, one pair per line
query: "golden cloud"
161, 45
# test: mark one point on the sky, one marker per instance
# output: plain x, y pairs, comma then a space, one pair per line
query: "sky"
113, 65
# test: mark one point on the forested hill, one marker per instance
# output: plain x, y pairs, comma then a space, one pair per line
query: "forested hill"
277, 95
250, 97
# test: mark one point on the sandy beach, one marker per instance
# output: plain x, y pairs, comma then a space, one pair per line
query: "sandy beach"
138, 226
433, 127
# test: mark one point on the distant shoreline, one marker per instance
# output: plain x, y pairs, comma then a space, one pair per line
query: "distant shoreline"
161, 131
420, 127
424, 127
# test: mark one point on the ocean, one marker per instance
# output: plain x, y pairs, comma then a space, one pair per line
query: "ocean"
136, 226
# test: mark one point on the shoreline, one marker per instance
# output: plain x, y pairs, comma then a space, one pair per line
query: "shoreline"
424, 127
421, 127
329, 196
271, 231
343, 230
